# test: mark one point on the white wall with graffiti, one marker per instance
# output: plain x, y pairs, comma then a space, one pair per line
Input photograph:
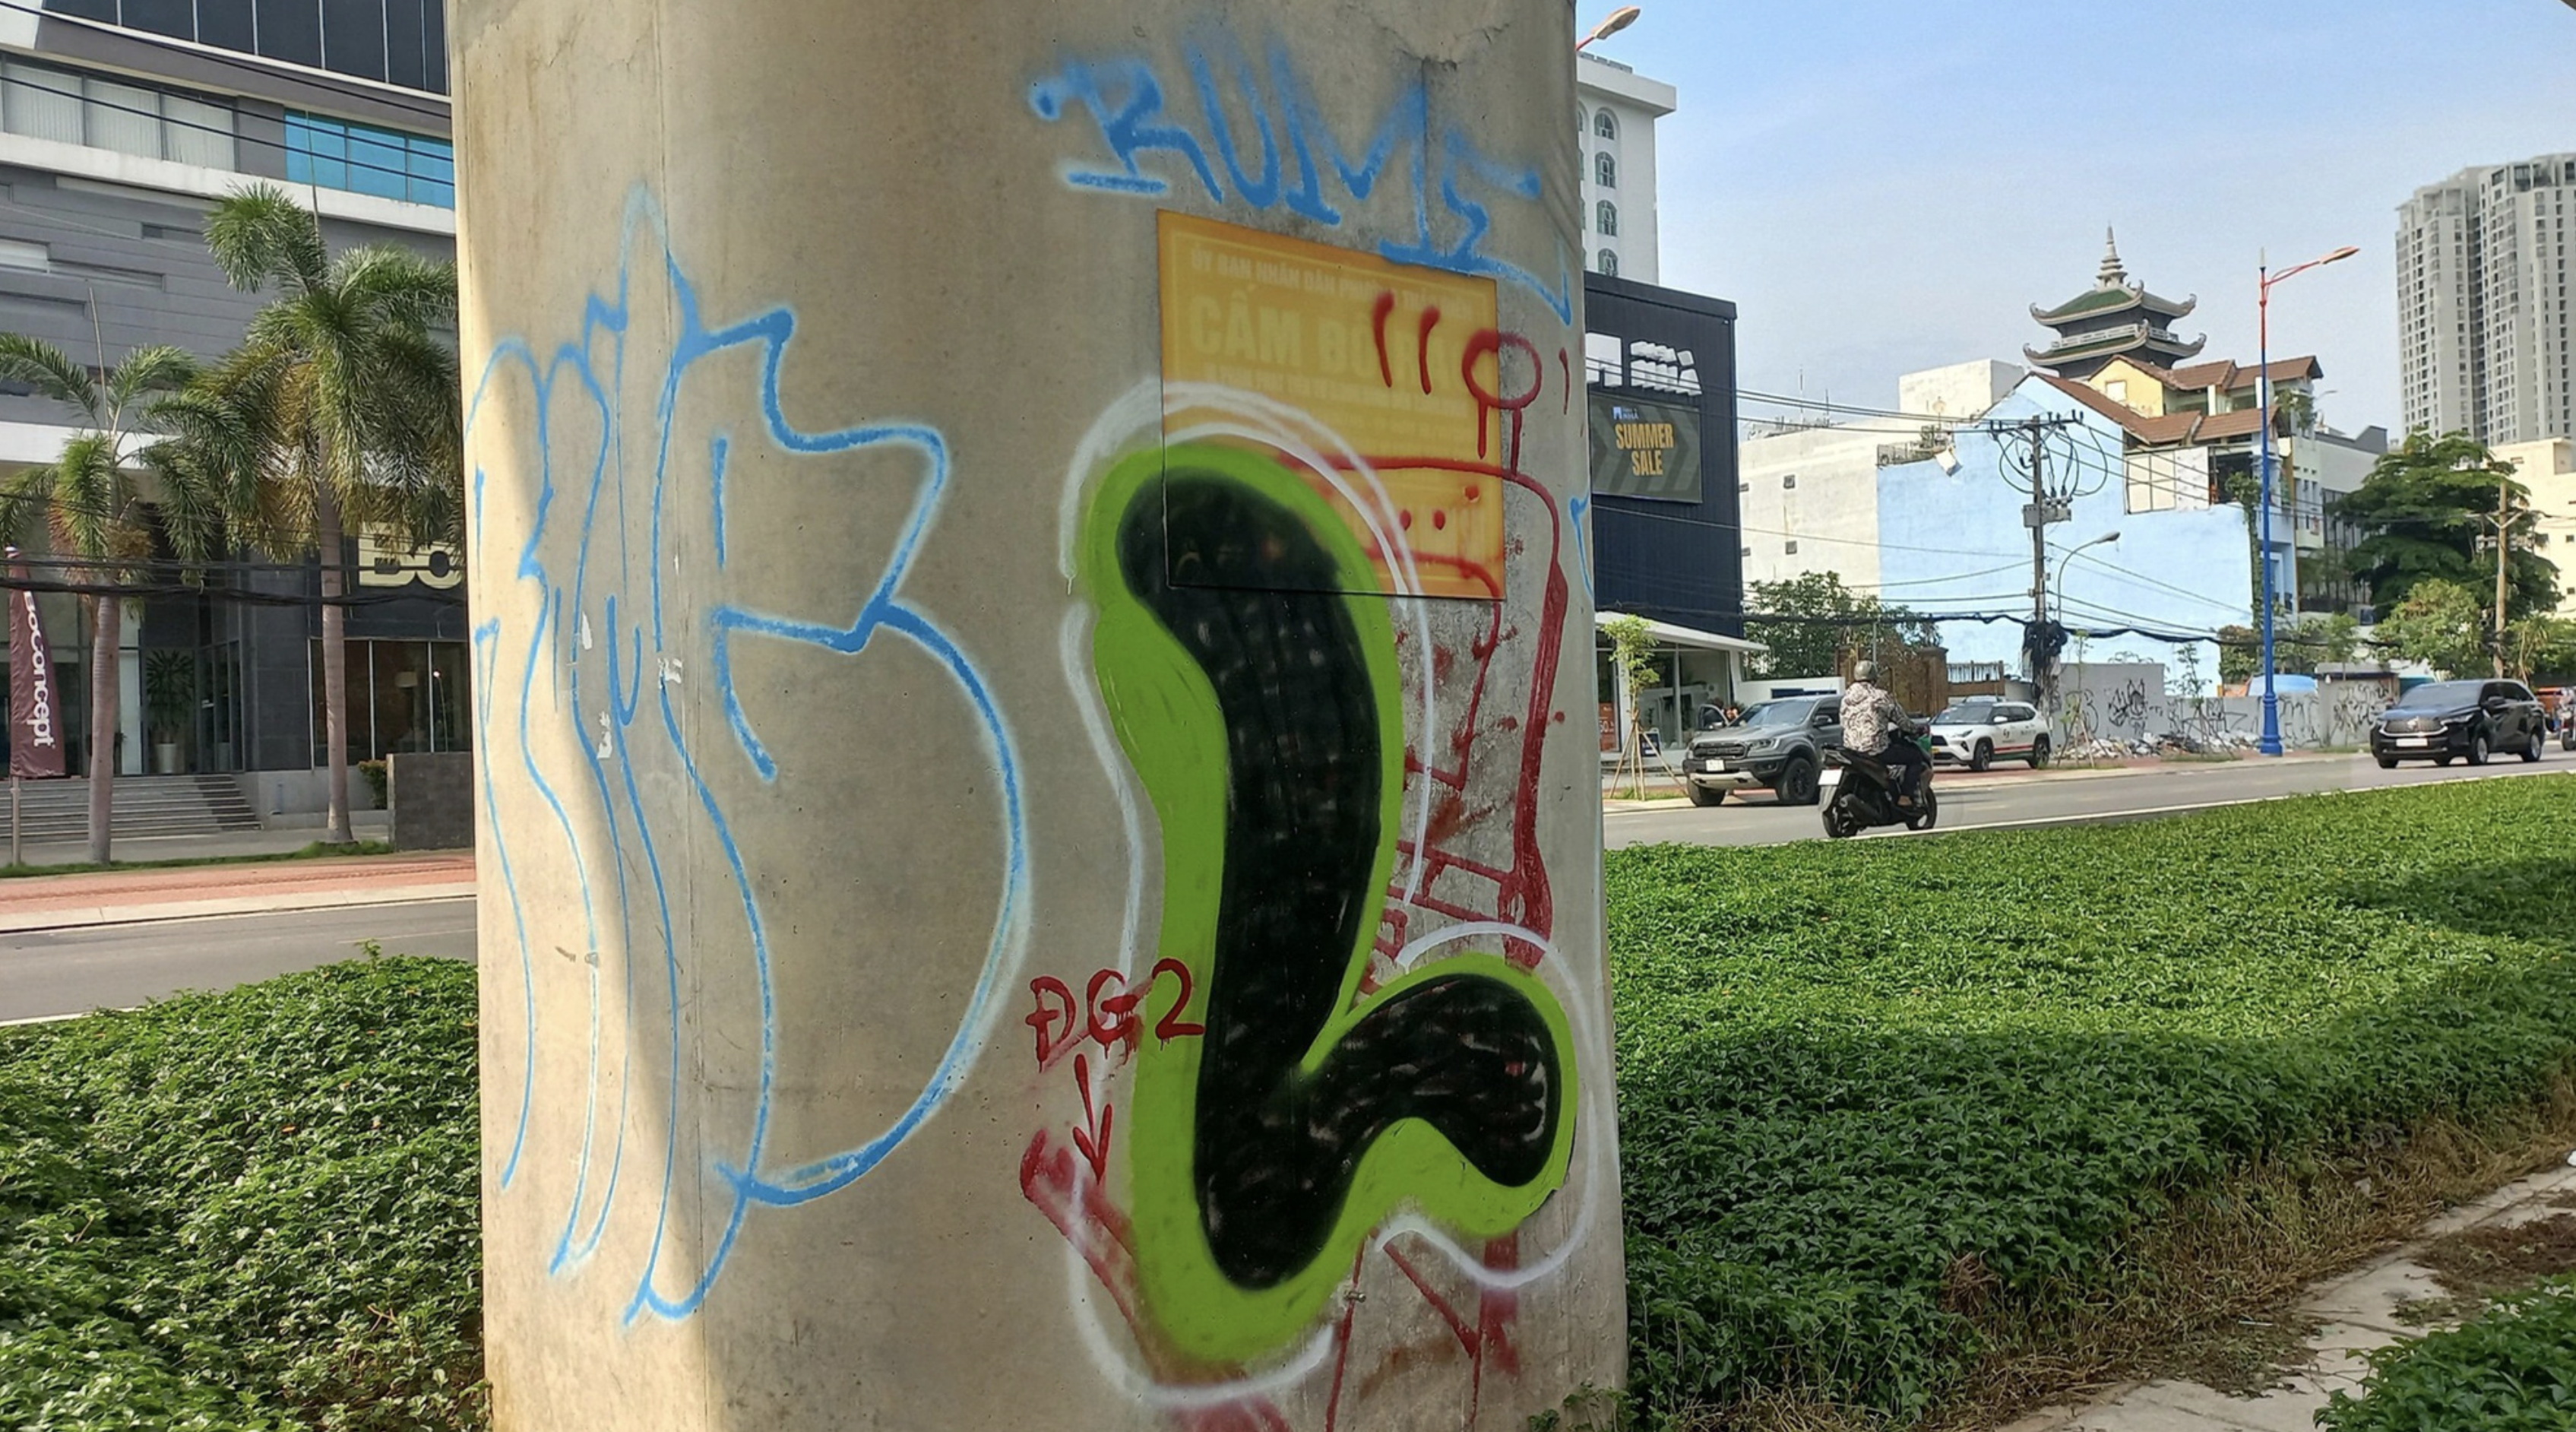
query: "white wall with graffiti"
2137, 704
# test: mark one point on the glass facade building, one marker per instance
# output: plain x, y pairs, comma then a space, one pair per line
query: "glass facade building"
400, 42
341, 154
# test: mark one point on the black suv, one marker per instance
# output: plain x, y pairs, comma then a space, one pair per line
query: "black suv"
1778, 746
2460, 720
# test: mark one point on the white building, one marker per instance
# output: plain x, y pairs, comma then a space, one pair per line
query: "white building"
1809, 496
2487, 344
2548, 469
1616, 109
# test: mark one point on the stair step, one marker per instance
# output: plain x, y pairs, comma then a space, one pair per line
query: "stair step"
144, 806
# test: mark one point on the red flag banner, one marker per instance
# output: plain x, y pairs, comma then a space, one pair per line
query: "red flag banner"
35, 715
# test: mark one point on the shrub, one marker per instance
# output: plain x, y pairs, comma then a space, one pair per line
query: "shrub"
2512, 1369
1873, 1094
247, 1211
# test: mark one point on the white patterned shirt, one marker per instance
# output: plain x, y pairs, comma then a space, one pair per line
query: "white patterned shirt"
1868, 714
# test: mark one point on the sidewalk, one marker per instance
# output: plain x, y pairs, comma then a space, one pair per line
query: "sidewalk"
115, 897
2357, 1313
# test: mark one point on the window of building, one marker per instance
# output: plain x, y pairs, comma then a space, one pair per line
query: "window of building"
403, 696
1789, 481
364, 159
403, 41
1605, 125
46, 102
1605, 217
1605, 170
1606, 264
1748, 551
1792, 549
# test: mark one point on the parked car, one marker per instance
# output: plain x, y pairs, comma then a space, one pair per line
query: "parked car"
1978, 732
2460, 720
1779, 746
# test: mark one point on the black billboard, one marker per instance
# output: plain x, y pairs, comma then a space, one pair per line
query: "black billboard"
1644, 449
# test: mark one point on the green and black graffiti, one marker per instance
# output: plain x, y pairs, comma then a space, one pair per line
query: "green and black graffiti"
1254, 687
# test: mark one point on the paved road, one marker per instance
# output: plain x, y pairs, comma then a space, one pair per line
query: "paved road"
1971, 802
46, 974
54, 973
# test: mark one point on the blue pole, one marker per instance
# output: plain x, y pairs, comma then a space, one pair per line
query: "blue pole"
2271, 744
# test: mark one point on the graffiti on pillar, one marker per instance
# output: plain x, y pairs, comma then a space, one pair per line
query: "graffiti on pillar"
1345, 1057
1151, 146
1261, 709
592, 665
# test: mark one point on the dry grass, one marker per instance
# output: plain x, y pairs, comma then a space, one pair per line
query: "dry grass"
2214, 1287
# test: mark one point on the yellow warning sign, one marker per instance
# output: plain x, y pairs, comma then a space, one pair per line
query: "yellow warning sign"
1388, 373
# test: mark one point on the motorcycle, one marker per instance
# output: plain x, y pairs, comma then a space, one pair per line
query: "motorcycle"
1863, 794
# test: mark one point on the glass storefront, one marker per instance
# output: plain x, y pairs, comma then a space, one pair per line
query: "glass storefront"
403, 696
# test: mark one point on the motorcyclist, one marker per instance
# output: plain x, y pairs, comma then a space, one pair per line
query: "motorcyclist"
1870, 717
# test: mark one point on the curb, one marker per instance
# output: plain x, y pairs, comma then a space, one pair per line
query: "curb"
81, 917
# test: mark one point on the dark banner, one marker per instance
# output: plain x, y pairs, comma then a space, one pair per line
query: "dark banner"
35, 720
1642, 449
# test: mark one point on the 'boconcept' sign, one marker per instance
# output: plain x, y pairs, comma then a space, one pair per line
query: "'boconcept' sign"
35, 742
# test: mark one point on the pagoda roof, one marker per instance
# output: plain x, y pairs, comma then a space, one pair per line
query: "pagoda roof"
2113, 293
2142, 336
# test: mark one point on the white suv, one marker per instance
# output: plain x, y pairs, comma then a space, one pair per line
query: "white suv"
1979, 731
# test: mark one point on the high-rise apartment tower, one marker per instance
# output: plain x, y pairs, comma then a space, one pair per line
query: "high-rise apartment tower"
2486, 339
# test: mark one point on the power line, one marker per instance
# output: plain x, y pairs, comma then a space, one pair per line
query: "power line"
1782, 400
1678, 521
149, 590
232, 134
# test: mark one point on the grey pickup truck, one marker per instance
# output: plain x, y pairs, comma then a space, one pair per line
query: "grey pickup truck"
1778, 746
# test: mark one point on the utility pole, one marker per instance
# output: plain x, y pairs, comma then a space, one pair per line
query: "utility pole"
2504, 519
2037, 516
2047, 507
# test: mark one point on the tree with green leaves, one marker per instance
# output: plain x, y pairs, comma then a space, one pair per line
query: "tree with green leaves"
2442, 624
1632, 652
2540, 646
2424, 508
1827, 619
339, 411
99, 509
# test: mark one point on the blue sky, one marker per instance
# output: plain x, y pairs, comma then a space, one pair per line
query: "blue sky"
1888, 186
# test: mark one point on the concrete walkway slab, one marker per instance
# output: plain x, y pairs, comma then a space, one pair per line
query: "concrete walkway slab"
2358, 1313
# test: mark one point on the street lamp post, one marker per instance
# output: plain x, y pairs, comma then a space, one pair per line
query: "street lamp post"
1620, 19
2271, 743
2102, 541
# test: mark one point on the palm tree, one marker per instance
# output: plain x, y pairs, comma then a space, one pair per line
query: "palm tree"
99, 513
340, 408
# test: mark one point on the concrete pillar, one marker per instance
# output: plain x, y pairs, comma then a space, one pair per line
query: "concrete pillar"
1040, 840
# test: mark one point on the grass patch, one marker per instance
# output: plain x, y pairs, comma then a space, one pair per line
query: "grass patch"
247, 1212
2513, 1369
1899, 1119
318, 850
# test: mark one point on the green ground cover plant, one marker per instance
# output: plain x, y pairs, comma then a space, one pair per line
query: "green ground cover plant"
1885, 1105
248, 1211
2512, 1369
